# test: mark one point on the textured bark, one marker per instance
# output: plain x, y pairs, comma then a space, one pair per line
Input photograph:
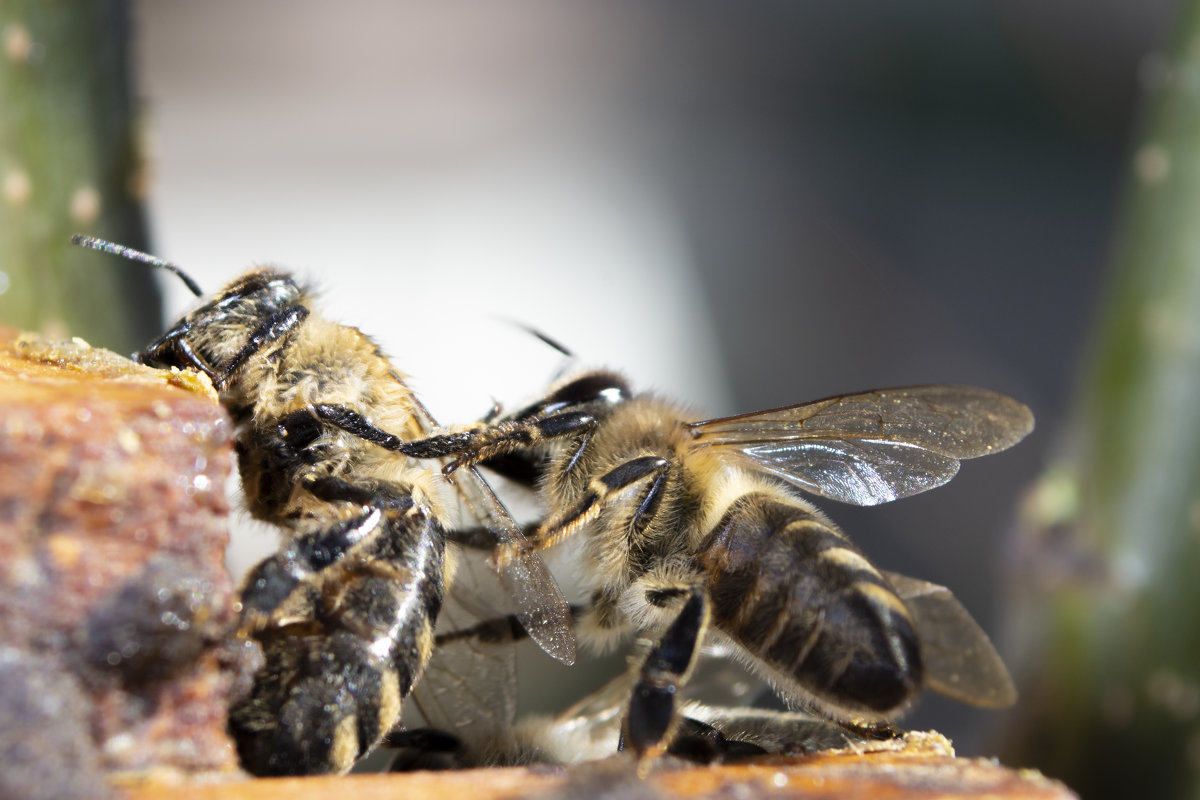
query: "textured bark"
113, 525
922, 768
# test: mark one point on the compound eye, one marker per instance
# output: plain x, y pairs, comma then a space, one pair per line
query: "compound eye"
597, 386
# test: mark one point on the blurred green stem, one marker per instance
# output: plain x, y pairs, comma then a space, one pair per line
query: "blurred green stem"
69, 163
1112, 625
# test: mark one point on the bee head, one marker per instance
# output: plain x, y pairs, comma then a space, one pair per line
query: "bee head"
593, 392
219, 334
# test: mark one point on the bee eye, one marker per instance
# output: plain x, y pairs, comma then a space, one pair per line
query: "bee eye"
597, 386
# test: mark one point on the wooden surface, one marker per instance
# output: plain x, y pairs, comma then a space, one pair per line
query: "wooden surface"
844, 775
116, 609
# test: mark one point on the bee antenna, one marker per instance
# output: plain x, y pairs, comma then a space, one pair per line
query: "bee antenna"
92, 243
545, 338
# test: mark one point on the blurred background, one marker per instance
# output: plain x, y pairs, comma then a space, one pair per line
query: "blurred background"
743, 205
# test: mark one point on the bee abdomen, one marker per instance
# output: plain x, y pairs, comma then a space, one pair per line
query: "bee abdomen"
316, 706
787, 586
332, 686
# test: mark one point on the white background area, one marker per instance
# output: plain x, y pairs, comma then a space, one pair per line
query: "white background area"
442, 173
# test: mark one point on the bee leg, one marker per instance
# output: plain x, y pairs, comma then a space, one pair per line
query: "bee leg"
467, 446
874, 731
477, 538
425, 749
599, 491
524, 466
651, 721
354, 423
498, 630
277, 578
448, 444
175, 347
752, 731
493, 413
479, 444
703, 743
278, 326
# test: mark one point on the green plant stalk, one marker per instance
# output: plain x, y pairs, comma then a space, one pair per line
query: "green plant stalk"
1112, 700
69, 164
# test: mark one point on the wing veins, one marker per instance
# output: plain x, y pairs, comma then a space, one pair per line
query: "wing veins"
872, 447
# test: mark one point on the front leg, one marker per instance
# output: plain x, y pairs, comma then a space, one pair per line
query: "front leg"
542, 608
467, 447
277, 327
646, 469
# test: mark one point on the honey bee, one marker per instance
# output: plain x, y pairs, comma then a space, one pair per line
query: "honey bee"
721, 728
694, 530
345, 609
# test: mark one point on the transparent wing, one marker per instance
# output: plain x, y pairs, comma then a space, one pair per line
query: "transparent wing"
960, 661
872, 447
539, 602
470, 684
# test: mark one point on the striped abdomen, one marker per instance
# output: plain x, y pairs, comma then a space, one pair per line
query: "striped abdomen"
787, 586
359, 637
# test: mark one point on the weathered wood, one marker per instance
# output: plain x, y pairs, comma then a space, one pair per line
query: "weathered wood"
114, 596
923, 769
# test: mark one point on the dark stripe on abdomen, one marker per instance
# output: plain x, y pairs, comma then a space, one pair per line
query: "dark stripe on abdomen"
788, 587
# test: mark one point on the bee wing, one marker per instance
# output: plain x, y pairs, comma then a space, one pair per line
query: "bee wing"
960, 661
872, 447
541, 606
469, 686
